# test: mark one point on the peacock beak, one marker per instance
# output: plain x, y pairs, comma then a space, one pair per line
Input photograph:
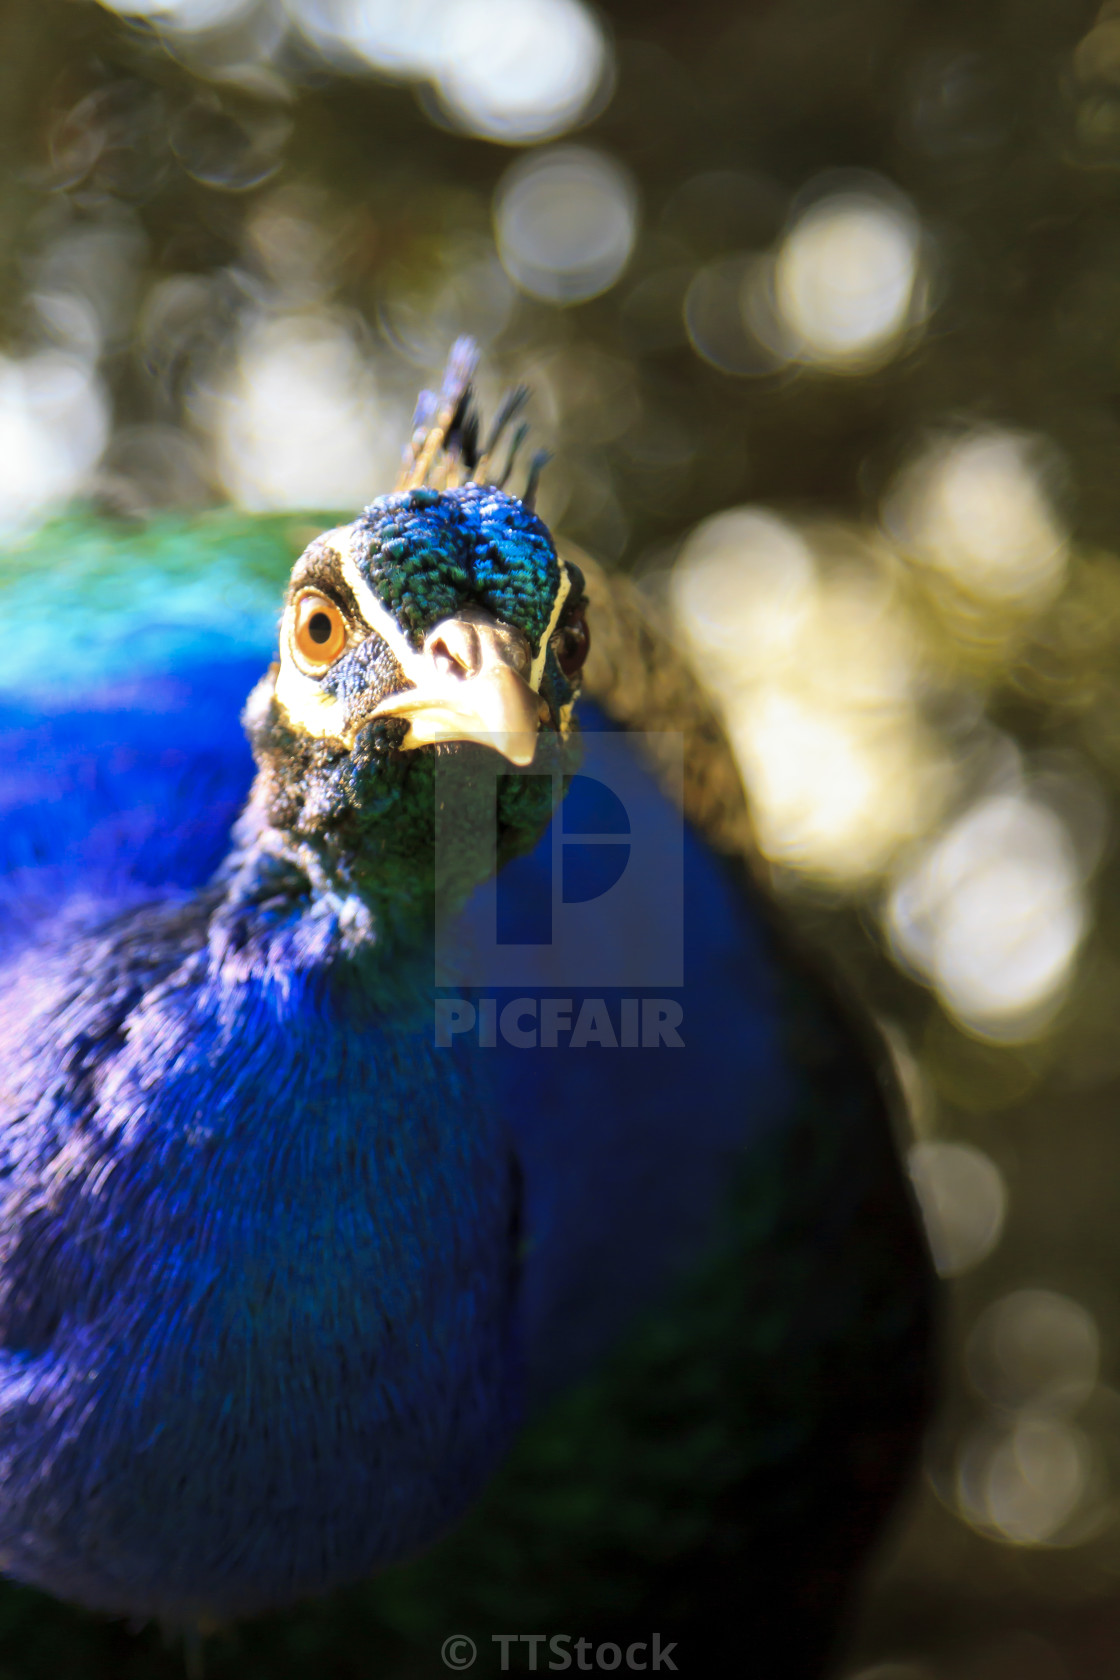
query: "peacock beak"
473, 686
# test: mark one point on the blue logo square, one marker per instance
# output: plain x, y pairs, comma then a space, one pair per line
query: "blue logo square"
600, 900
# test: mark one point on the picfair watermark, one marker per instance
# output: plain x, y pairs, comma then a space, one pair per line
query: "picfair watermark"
553, 1023
599, 902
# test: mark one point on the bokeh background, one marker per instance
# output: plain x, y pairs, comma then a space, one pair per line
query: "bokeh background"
820, 304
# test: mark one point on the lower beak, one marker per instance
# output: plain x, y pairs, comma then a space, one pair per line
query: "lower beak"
472, 688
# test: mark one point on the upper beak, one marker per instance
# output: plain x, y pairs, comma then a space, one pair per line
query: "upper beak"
472, 688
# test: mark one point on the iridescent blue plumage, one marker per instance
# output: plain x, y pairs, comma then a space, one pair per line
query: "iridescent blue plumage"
279, 1276
257, 1275
433, 551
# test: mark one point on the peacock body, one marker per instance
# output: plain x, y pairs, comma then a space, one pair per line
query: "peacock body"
286, 1275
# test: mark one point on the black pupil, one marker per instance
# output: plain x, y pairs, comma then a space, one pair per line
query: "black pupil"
319, 627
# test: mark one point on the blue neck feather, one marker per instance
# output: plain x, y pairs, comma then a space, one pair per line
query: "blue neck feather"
281, 1255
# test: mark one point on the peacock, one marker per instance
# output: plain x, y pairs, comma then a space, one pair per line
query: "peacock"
360, 1287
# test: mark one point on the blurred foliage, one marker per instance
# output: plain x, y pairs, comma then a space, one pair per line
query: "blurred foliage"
164, 197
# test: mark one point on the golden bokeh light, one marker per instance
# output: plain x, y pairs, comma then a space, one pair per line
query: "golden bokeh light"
302, 420
816, 662
745, 587
993, 914
963, 1199
834, 792
975, 510
515, 71
1035, 1348
846, 279
566, 221
519, 70
1024, 1483
509, 70
54, 425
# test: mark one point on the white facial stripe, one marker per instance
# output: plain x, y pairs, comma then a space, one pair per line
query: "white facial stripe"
377, 617
536, 671
308, 706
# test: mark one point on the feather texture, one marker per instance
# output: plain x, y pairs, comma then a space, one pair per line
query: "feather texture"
719, 1263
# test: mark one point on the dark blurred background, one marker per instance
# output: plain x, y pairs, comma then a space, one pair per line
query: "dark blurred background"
820, 304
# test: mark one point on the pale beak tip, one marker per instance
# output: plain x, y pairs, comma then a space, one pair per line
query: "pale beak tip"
519, 749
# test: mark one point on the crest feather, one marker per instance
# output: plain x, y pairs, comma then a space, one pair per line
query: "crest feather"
444, 450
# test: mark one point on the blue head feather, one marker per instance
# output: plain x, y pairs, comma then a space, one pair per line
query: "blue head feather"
433, 552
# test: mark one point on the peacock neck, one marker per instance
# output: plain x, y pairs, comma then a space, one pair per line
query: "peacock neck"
289, 905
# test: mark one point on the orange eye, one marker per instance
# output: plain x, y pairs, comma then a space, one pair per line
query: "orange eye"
319, 634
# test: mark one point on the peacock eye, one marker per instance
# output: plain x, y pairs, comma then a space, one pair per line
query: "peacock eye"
572, 643
319, 632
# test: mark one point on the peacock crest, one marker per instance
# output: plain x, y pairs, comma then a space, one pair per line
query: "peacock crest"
446, 448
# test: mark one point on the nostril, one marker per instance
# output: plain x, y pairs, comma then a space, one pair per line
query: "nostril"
454, 649
464, 646
447, 663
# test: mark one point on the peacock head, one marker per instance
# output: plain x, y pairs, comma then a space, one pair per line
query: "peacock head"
439, 631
